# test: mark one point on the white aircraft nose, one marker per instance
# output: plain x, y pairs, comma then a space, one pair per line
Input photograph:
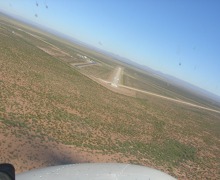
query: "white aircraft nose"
95, 171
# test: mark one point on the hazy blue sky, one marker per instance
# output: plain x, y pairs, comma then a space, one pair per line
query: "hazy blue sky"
160, 34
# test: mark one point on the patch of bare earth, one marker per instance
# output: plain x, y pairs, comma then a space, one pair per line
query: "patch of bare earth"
27, 153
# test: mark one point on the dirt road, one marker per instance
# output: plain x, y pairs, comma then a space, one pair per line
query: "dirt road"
170, 99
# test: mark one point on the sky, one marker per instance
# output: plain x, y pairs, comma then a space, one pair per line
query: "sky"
179, 38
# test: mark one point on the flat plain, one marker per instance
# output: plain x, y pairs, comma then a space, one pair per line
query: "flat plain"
53, 113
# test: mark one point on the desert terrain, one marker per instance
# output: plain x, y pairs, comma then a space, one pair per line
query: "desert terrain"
58, 106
